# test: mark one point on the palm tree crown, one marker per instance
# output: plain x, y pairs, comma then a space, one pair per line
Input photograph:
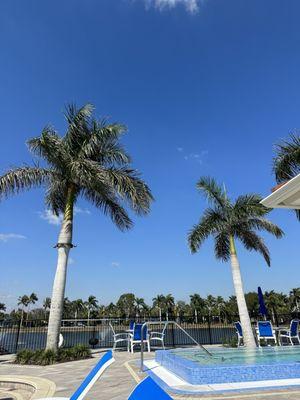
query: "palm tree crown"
226, 221
286, 163
88, 162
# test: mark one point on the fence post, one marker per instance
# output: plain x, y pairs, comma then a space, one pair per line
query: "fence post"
173, 336
209, 331
18, 334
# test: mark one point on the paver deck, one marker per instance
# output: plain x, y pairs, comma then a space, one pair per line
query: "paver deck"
118, 381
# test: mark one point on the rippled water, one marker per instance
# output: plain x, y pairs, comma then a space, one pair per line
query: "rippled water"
242, 356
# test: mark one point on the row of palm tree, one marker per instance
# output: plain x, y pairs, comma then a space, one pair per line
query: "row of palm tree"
164, 306
89, 162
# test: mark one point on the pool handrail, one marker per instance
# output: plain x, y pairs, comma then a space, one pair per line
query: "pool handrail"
145, 324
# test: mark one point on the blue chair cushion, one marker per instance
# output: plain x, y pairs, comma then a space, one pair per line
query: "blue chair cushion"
137, 333
265, 329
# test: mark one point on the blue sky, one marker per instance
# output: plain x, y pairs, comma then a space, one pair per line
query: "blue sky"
205, 88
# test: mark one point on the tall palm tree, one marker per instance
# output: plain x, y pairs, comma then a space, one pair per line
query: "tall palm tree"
227, 221
286, 163
87, 162
91, 305
159, 303
2, 307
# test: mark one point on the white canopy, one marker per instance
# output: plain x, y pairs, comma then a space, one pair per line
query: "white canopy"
286, 196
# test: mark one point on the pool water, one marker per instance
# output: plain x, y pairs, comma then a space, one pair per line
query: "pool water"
232, 365
242, 356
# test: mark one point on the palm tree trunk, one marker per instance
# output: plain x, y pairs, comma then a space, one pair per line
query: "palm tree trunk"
159, 309
58, 293
240, 297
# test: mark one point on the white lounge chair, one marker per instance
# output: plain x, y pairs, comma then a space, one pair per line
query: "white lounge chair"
291, 334
90, 380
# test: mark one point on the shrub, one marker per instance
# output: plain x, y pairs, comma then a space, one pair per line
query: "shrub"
48, 357
230, 341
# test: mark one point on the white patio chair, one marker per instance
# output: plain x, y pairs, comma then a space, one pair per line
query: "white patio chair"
265, 331
239, 332
159, 336
120, 338
135, 338
291, 334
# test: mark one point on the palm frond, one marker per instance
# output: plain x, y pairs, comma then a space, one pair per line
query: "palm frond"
222, 246
266, 225
127, 183
210, 223
212, 191
249, 205
78, 127
23, 178
286, 163
109, 206
103, 144
252, 241
56, 195
50, 147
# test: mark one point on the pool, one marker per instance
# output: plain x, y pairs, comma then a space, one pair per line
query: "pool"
232, 365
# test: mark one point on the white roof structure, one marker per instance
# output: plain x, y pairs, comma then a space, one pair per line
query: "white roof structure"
286, 196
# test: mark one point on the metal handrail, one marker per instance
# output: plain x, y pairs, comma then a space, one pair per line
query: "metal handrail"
166, 323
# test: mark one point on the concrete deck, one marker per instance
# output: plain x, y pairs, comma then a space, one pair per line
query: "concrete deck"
119, 380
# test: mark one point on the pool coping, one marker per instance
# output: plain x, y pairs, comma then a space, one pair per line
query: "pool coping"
169, 381
40, 387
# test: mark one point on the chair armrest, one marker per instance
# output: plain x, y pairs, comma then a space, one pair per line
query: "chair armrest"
119, 335
157, 334
285, 331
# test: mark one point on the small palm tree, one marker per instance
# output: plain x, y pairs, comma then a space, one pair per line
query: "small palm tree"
140, 306
197, 304
286, 163
159, 303
77, 306
87, 162
169, 305
32, 300
91, 305
46, 305
24, 302
295, 299
227, 221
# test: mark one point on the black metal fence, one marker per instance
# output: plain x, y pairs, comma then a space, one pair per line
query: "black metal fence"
17, 335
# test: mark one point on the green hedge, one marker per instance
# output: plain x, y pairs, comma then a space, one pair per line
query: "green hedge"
47, 357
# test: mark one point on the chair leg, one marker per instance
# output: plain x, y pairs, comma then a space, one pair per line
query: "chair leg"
148, 345
291, 340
